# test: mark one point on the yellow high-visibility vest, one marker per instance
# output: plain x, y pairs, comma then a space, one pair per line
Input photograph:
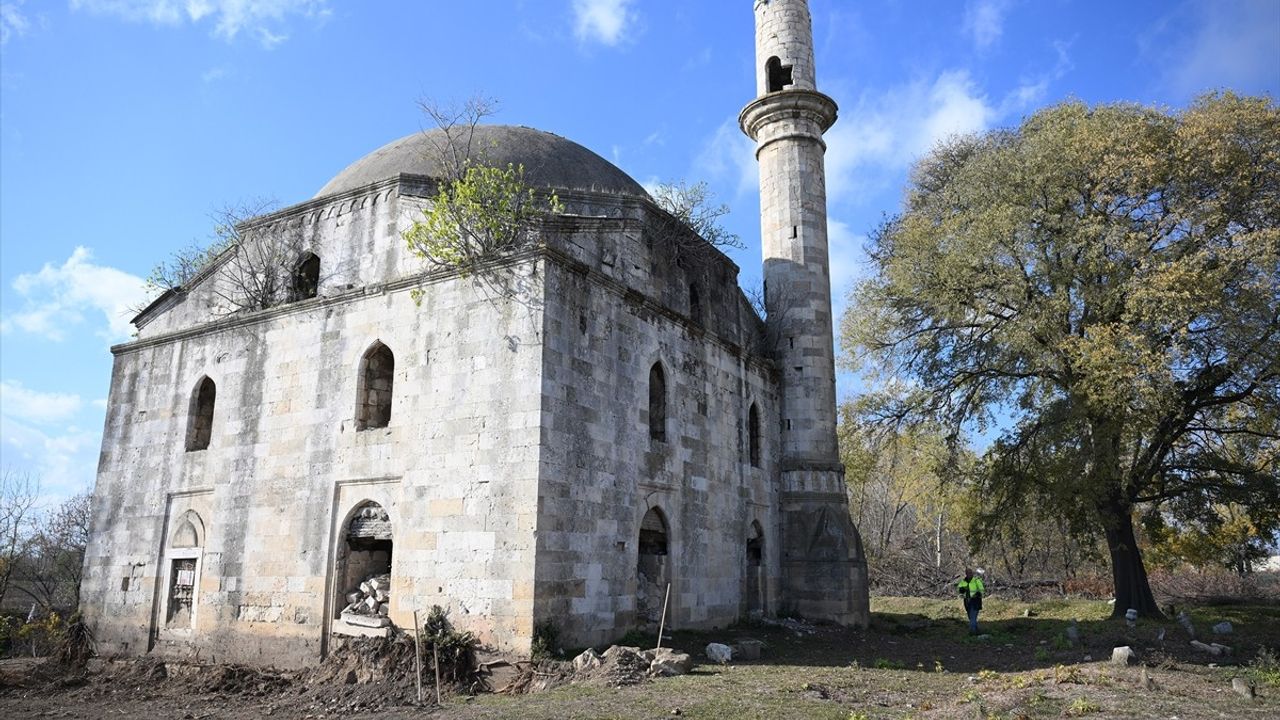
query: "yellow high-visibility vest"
972, 586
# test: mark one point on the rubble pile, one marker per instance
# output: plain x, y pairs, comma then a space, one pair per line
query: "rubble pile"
620, 665
370, 603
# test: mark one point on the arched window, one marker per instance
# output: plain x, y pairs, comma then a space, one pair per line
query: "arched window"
373, 396
200, 415
753, 435
306, 277
657, 403
777, 75
695, 304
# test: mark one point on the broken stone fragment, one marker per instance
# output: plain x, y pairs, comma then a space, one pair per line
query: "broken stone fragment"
1213, 649
366, 588
747, 649
384, 610
1123, 655
1222, 628
1242, 687
372, 621
669, 662
371, 603
354, 597
381, 595
717, 652
586, 662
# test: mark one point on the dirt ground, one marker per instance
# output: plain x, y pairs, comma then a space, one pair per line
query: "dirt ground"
916, 661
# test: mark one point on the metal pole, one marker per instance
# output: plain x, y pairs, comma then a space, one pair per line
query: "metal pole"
663, 624
435, 651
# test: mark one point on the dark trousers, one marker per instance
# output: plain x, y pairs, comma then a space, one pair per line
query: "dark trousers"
973, 617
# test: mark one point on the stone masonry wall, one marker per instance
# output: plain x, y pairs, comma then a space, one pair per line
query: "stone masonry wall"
456, 468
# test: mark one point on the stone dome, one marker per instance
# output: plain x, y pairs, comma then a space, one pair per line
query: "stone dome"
549, 161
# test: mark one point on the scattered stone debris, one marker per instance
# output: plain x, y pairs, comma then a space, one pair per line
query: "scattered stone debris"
1029, 613
1243, 687
622, 665
1223, 628
717, 652
370, 603
1213, 649
1123, 655
1146, 682
799, 627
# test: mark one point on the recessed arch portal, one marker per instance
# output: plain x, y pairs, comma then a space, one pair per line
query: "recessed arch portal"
653, 567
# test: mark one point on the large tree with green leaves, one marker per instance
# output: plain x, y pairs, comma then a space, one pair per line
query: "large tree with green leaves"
1105, 283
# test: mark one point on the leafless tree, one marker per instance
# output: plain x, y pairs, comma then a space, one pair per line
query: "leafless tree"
51, 571
454, 146
693, 220
18, 491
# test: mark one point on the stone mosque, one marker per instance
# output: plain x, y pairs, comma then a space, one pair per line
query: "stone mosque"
623, 432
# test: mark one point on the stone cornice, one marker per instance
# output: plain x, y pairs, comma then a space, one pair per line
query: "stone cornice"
809, 105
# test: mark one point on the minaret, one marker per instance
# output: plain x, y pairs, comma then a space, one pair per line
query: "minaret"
824, 569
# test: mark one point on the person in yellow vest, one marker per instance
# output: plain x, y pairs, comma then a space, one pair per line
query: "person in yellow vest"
971, 590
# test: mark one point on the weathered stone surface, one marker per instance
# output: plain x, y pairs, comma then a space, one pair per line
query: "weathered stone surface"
717, 652
1222, 628
1124, 656
587, 661
747, 649
1243, 687
517, 456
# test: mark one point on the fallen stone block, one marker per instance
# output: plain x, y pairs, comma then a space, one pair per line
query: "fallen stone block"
670, 662
1222, 628
373, 621
717, 652
1243, 687
587, 661
747, 649
342, 628
1213, 649
1124, 655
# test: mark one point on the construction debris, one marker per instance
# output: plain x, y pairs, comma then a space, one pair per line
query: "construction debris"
370, 603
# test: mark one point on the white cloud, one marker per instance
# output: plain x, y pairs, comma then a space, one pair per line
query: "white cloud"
229, 17
37, 407
64, 460
58, 298
846, 262
602, 21
729, 157
12, 21
984, 21
1235, 44
882, 134
213, 74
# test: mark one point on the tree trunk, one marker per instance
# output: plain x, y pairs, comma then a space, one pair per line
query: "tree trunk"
1127, 571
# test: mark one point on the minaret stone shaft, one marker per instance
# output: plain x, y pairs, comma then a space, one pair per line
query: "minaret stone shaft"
824, 569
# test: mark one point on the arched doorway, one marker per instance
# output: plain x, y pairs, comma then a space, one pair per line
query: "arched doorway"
364, 563
753, 592
653, 568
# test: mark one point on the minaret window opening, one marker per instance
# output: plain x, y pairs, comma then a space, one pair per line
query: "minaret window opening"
657, 403
778, 75
695, 304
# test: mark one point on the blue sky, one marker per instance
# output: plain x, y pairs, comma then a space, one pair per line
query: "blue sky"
123, 123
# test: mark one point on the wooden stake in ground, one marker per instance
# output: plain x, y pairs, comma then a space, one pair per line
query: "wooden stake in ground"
663, 623
417, 653
435, 652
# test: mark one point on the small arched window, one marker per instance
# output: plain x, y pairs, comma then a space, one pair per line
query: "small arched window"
306, 277
657, 403
200, 415
753, 435
373, 395
777, 75
695, 304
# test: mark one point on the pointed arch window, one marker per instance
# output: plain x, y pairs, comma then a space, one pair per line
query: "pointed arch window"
753, 435
657, 403
373, 395
200, 415
306, 277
